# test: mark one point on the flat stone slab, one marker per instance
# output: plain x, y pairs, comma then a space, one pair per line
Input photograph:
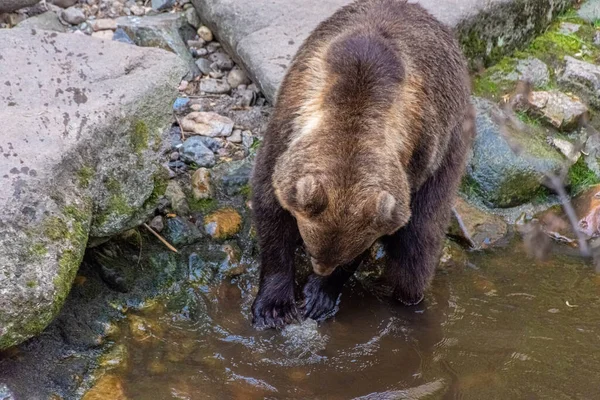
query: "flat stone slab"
264, 35
82, 127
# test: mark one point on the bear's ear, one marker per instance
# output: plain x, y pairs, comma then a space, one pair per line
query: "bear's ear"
390, 214
310, 196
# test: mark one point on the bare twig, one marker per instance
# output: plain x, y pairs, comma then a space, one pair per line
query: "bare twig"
163, 240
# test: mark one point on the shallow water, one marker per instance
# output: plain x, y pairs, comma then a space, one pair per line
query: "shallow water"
496, 326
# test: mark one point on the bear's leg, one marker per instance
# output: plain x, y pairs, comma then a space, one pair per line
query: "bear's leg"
278, 237
413, 252
321, 293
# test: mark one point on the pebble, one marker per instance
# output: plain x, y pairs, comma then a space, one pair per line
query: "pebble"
246, 98
104, 24
214, 86
207, 124
214, 73
583, 77
157, 223
237, 77
214, 144
201, 185
201, 52
183, 85
105, 35
64, 3
247, 139
199, 43
194, 151
223, 224
73, 16
204, 65
137, 10
234, 181
568, 28
236, 136
180, 105
192, 17
222, 60
558, 109
205, 33
174, 156
176, 197
213, 46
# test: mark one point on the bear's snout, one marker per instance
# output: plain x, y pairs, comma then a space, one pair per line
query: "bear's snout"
321, 269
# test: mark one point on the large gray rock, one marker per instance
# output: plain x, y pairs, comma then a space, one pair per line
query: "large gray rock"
48, 21
502, 177
264, 35
583, 78
531, 70
165, 31
82, 126
590, 11
13, 5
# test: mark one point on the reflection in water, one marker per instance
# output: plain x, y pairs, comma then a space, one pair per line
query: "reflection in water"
500, 326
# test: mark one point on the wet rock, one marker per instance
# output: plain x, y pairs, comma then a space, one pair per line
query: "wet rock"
214, 86
160, 5
194, 151
86, 187
223, 224
532, 70
107, 387
205, 34
7, 6
204, 65
179, 231
236, 136
232, 266
73, 16
583, 78
157, 224
104, 24
237, 77
116, 357
48, 21
558, 109
63, 3
483, 229
176, 197
587, 208
568, 28
192, 17
235, 181
501, 177
201, 185
199, 272
164, 31
121, 36
207, 124
589, 11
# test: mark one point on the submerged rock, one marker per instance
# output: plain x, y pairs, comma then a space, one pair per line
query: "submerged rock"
88, 165
107, 387
179, 231
223, 224
499, 175
483, 228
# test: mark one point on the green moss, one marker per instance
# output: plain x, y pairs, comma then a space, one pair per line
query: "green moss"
528, 119
203, 205
246, 191
55, 228
493, 83
31, 284
37, 251
84, 176
139, 136
113, 185
581, 177
470, 187
161, 181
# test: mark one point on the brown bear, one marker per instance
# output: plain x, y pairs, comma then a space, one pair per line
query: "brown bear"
368, 140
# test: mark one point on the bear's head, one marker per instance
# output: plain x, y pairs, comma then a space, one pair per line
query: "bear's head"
339, 221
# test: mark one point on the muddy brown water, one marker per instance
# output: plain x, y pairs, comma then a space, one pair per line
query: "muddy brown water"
498, 325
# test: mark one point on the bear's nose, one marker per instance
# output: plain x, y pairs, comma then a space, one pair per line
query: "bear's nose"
321, 269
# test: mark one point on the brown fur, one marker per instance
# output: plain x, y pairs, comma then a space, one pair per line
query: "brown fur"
368, 140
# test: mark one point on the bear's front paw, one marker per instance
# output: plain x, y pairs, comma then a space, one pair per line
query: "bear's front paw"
320, 301
273, 312
409, 298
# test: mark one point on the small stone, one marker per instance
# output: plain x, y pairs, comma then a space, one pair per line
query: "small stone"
63, 3
104, 24
174, 156
582, 77
201, 185
216, 74
566, 148
205, 34
138, 11
214, 86
213, 46
223, 224
236, 136
159, 5
235, 181
177, 165
214, 144
204, 65
558, 109
207, 124
179, 231
192, 17
222, 60
121, 36
247, 139
232, 266
198, 44
194, 151
157, 223
183, 85
180, 105
254, 88
176, 197
597, 38
73, 16
568, 28
237, 77
246, 98
201, 52
531, 70
107, 387
105, 35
